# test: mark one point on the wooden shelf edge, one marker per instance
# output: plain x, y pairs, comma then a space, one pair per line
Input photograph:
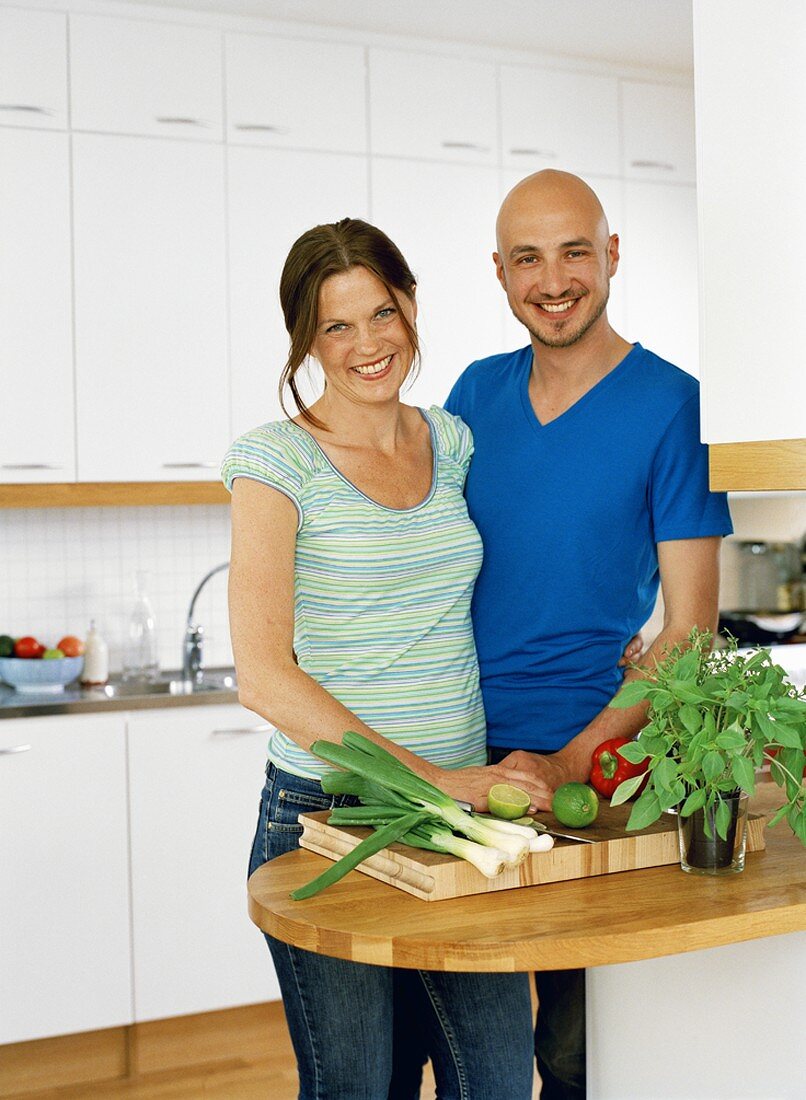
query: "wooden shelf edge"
768, 465
111, 494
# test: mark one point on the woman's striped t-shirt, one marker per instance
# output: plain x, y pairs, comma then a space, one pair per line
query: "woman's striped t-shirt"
381, 595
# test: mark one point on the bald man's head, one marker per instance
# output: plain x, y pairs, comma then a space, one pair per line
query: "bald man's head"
555, 256
546, 192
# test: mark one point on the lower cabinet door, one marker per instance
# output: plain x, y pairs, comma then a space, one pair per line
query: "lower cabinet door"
64, 884
195, 776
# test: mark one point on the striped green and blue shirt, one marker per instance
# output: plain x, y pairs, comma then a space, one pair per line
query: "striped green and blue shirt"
381, 595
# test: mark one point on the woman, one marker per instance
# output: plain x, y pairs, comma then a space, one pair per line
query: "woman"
353, 563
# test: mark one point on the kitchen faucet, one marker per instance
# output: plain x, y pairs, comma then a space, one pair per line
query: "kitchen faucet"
193, 647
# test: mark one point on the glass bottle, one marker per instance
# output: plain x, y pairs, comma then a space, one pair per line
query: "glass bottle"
96, 658
140, 654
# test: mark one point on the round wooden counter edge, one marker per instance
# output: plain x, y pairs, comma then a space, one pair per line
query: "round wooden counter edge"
599, 946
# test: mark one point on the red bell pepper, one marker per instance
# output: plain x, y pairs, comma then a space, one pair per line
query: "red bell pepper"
609, 769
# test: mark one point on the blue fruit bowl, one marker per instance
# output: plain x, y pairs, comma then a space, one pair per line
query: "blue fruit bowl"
33, 675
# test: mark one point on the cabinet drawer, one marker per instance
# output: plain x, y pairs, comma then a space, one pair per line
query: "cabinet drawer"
658, 124
131, 77
267, 106
439, 108
33, 69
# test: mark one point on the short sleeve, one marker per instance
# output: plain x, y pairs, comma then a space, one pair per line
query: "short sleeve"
272, 456
456, 438
681, 503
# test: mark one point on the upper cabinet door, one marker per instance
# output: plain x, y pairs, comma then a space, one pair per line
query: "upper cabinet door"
261, 231
439, 108
150, 287
291, 94
33, 69
560, 120
131, 77
36, 348
658, 124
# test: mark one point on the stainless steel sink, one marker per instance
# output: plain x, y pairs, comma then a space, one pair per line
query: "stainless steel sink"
122, 689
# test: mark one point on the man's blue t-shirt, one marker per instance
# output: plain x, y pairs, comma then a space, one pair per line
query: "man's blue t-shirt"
570, 513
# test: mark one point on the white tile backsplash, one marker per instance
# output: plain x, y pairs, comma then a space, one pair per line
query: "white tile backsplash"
61, 567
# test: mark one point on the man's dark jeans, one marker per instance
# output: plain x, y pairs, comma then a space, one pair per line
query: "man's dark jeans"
560, 1028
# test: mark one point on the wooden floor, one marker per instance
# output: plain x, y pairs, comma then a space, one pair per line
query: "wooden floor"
241, 1078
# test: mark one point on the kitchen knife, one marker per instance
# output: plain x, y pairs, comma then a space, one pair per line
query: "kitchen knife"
538, 826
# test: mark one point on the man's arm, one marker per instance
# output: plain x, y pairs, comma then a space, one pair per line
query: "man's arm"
689, 573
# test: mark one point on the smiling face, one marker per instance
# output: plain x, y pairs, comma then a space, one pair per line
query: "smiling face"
361, 341
555, 257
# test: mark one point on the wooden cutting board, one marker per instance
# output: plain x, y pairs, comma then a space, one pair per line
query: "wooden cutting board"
433, 876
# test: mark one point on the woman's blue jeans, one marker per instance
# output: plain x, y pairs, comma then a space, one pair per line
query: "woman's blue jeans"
344, 1016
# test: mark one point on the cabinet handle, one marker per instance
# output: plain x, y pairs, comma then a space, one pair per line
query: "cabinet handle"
179, 121
261, 128
30, 466
244, 729
13, 749
533, 153
190, 465
652, 164
466, 145
28, 108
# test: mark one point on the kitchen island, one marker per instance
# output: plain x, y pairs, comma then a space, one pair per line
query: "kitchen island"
683, 969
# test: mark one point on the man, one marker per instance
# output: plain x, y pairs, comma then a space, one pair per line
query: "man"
588, 484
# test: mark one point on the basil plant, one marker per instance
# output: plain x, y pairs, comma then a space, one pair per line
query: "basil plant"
715, 717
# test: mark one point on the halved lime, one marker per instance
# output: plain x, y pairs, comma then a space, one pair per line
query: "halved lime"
507, 801
575, 804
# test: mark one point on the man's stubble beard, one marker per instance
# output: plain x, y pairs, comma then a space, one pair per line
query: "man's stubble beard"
566, 340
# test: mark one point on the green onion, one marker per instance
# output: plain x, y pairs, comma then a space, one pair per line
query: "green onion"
366, 848
490, 861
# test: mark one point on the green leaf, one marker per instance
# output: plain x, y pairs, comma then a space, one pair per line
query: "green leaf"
634, 752
723, 816
731, 740
684, 692
686, 668
779, 815
744, 773
665, 773
695, 801
626, 790
690, 717
645, 811
630, 694
737, 700
713, 765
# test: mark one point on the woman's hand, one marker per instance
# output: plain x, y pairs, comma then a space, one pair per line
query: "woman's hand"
473, 784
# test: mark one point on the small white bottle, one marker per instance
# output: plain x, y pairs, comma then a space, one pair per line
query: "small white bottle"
96, 659
140, 660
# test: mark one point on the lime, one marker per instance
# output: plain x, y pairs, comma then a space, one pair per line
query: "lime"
52, 655
575, 804
507, 801
523, 821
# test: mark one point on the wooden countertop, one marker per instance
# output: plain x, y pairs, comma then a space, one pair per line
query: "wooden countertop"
585, 922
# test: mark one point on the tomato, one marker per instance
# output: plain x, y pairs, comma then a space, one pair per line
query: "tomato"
71, 646
28, 647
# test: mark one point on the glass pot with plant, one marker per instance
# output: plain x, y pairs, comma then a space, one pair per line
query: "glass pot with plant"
714, 718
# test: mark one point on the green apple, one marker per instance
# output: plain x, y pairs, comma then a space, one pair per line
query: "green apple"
52, 655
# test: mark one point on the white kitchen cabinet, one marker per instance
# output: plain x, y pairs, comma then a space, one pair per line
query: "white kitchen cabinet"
751, 164
565, 120
33, 69
150, 315
37, 436
273, 197
611, 196
659, 259
136, 77
196, 775
425, 105
446, 230
658, 124
287, 93
64, 886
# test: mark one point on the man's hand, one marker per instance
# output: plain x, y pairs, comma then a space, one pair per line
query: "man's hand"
547, 772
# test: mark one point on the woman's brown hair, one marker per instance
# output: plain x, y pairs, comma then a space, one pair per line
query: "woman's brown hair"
319, 253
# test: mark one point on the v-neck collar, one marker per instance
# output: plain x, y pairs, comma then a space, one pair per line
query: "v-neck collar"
579, 404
